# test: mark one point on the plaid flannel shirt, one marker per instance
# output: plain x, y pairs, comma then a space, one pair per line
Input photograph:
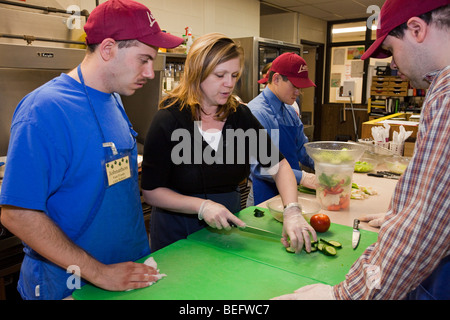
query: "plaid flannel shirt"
415, 236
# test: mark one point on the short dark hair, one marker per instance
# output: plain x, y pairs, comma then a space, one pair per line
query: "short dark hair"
439, 16
270, 77
121, 44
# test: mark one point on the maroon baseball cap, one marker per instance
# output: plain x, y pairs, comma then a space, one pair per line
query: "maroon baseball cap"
294, 67
127, 20
266, 78
394, 13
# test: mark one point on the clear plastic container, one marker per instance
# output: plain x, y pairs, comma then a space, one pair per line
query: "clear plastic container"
334, 163
334, 186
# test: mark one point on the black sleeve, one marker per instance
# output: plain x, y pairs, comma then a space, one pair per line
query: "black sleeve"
157, 151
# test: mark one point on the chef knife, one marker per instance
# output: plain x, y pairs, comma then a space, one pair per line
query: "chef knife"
383, 175
356, 235
258, 231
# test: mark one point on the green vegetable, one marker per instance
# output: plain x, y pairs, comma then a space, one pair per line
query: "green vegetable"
329, 250
306, 190
331, 181
290, 250
334, 156
332, 243
363, 166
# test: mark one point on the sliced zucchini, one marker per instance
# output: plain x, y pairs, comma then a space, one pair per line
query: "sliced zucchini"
332, 243
335, 244
329, 250
290, 250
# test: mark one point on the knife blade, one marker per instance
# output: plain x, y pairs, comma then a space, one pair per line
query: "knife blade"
383, 175
356, 234
258, 231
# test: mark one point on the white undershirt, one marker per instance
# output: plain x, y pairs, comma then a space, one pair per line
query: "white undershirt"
211, 136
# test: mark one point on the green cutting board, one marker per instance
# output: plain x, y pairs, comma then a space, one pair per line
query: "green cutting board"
270, 251
196, 271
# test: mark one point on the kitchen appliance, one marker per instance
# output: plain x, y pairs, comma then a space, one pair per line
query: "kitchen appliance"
257, 53
47, 48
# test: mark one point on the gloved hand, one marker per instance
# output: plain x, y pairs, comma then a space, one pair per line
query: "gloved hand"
375, 219
308, 180
296, 231
316, 291
217, 215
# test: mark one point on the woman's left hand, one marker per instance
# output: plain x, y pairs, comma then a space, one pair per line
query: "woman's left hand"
296, 231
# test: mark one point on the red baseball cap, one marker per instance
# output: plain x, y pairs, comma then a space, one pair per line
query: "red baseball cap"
294, 67
394, 13
265, 79
127, 20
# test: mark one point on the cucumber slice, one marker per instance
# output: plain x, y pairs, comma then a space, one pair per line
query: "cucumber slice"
335, 244
332, 243
329, 250
290, 250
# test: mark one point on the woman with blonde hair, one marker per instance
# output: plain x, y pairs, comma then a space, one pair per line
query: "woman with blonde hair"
199, 148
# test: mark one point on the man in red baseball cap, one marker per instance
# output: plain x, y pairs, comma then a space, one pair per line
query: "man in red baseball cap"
61, 194
287, 75
127, 20
410, 260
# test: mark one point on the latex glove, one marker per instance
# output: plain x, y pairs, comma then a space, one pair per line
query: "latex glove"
375, 219
308, 180
217, 215
316, 291
296, 231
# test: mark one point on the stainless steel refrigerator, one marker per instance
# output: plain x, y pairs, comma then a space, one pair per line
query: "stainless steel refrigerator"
258, 52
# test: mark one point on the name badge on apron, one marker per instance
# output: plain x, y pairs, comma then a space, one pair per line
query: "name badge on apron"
118, 170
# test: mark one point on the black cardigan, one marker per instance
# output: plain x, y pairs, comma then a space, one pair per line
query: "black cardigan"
177, 157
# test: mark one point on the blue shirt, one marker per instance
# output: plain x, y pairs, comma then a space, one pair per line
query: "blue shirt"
56, 165
271, 113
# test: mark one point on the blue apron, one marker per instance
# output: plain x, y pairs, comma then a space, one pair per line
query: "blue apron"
436, 286
264, 189
113, 233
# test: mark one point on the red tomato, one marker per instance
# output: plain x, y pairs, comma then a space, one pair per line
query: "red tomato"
320, 222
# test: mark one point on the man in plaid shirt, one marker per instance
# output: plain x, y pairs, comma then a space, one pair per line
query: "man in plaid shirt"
411, 259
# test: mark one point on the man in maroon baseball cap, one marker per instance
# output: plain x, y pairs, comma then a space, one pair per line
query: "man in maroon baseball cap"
273, 107
93, 213
127, 20
121, 34
410, 259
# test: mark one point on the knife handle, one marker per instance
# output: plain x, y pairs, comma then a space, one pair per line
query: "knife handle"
376, 175
355, 224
